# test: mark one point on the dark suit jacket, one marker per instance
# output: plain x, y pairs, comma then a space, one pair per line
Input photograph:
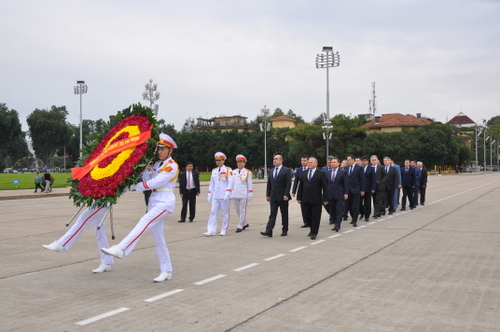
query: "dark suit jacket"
381, 177
407, 178
418, 174
279, 187
370, 179
183, 179
314, 191
356, 179
339, 186
298, 176
392, 179
423, 178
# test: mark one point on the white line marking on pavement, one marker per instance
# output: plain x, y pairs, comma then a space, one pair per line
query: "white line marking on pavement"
371, 223
333, 236
274, 257
361, 226
319, 241
351, 230
210, 279
297, 249
96, 318
245, 267
161, 296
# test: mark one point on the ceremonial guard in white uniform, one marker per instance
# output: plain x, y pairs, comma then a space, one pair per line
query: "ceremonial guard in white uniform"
219, 194
89, 216
160, 178
242, 191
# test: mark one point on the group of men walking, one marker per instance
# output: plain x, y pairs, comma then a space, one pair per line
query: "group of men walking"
346, 190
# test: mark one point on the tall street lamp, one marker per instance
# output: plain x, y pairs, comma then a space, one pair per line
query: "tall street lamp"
491, 152
327, 60
80, 89
151, 94
484, 150
265, 128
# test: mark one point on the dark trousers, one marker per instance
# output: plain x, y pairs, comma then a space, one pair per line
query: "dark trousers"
380, 199
189, 197
353, 206
312, 214
336, 207
38, 185
422, 194
365, 204
407, 194
415, 196
389, 194
283, 206
304, 217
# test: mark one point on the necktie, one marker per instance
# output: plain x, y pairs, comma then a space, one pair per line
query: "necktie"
350, 170
219, 169
334, 174
387, 169
276, 172
406, 169
160, 164
188, 185
310, 175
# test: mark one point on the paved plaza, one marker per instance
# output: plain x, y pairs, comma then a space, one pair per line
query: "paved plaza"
436, 268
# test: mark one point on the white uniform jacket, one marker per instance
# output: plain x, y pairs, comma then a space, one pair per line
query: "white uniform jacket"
161, 180
221, 183
242, 183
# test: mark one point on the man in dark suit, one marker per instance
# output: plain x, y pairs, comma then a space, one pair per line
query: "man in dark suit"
365, 207
298, 175
356, 188
416, 184
328, 164
407, 180
279, 182
423, 182
378, 192
189, 188
391, 184
338, 192
312, 193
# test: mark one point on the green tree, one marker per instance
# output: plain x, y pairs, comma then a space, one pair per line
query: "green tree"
49, 131
12, 138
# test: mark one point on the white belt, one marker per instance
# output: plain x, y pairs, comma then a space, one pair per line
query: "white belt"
163, 189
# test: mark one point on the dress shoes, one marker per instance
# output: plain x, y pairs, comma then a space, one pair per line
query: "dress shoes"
222, 233
354, 225
284, 233
190, 220
56, 246
345, 218
209, 233
367, 219
309, 234
246, 226
331, 223
402, 209
182, 220
269, 234
102, 268
238, 230
336, 229
163, 276
305, 226
313, 237
113, 251
391, 213
422, 204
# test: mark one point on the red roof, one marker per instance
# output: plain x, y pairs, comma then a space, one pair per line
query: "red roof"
398, 120
283, 118
461, 119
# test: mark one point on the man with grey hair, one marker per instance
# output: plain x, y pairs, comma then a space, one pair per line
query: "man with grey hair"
328, 164
423, 182
312, 193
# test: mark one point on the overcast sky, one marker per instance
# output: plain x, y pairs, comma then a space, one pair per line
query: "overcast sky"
212, 58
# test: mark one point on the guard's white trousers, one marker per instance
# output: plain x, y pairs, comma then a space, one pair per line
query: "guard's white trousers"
151, 221
241, 209
89, 216
223, 206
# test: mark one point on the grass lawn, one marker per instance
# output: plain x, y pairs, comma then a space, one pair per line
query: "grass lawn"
27, 181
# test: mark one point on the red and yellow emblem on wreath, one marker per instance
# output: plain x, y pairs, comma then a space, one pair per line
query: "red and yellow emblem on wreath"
114, 158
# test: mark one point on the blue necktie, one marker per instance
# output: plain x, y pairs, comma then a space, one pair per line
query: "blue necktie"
310, 175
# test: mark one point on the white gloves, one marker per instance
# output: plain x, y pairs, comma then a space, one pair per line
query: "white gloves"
250, 197
209, 199
227, 197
